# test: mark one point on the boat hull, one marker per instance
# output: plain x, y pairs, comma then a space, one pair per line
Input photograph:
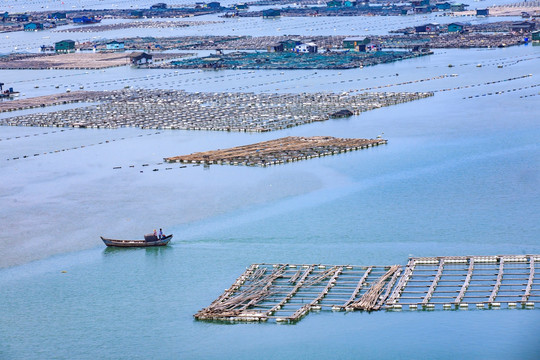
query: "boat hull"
136, 243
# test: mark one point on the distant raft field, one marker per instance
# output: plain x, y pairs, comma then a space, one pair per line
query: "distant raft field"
227, 111
279, 151
292, 60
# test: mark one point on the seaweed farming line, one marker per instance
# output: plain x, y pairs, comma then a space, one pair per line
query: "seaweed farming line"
35, 134
501, 92
285, 293
483, 84
57, 151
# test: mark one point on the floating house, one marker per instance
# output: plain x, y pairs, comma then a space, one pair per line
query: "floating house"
136, 13
523, 26
115, 45
241, 6
64, 46
213, 5
290, 44
354, 42
275, 48
443, 5
456, 27
430, 28
482, 12
86, 20
271, 13
349, 3
458, 7
536, 35
334, 3
140, 58
33, 26
306, 48
57, 15
22, 18
158, 6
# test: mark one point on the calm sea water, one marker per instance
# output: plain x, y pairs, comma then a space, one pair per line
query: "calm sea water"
458, 177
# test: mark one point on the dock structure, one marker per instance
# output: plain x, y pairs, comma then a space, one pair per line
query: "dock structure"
279, 151
285, 293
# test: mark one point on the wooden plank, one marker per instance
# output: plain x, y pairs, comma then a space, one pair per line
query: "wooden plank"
434, 282
389, 285
304, 309
409, 269
498, 282
527, 293
466, 283
358, 287
292, 292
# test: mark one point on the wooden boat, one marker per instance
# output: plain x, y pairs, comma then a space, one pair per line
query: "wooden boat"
149, 240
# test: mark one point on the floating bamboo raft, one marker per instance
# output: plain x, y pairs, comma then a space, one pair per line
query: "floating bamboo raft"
286, 293
279, 151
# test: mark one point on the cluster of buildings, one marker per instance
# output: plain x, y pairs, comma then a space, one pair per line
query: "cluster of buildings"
459, 27
292, 45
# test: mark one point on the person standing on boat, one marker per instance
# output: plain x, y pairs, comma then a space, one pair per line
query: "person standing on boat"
155, 233
161, 234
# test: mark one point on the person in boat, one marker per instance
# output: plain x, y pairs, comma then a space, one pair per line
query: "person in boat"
155, 233
161, 234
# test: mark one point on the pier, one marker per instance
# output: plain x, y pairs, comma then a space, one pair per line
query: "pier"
285, 293
279, 151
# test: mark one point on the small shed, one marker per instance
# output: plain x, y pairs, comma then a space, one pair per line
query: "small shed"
349, 3
290, 44
241, 6
140, 58
275, 48
427, 28
306, 48
271, 13
443, 5
482, 12
456, 27
536, 35
115, 45
22, 18
33, 26
213, 5
136, 14
523, 26
159, 6
334, 3
57, 15
64, 46
458, 7
353, 42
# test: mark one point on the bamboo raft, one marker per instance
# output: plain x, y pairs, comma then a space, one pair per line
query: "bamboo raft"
279, 151
285, 293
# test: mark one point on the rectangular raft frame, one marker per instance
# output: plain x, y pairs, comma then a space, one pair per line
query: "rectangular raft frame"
287, 292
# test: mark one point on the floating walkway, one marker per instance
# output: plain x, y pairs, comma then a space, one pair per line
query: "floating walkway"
279, 151
285, 293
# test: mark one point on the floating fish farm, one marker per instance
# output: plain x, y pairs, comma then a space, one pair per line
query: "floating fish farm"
279, 151
285, 293
176, 109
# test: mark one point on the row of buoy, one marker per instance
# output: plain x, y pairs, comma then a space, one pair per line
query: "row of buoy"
227, 111
138, 25
79, 147
502, 92
31, 135
483, 84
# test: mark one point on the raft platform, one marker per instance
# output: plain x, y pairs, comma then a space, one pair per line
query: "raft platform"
279, 151
285, 293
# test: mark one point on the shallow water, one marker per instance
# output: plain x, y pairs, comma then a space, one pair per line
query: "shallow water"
459, 176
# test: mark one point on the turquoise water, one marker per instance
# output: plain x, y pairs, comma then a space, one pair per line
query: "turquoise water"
458, 177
